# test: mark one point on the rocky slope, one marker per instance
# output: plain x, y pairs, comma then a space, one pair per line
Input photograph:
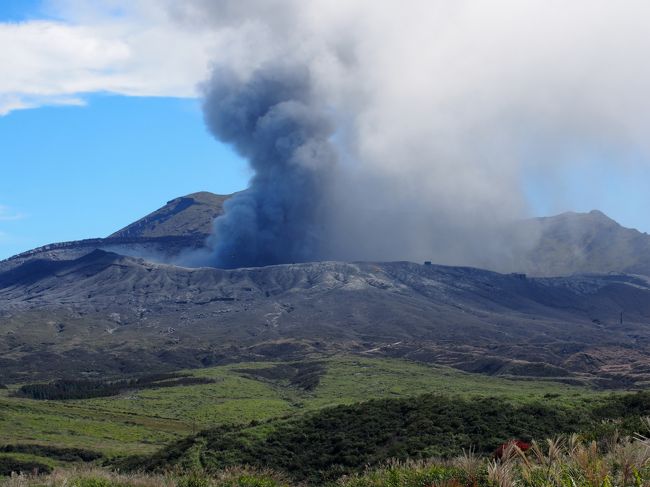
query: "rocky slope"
190, 215
87, 308
106, 313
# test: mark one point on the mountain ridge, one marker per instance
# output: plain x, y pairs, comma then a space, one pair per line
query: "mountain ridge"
576, 243
182, 224
115, 311
570, 243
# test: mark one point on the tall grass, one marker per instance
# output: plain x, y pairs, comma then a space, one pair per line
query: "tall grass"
570, 462
567, 461
97, 477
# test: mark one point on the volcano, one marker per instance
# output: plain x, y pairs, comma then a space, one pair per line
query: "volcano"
105, 307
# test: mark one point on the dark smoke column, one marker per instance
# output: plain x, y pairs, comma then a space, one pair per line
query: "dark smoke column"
273, 120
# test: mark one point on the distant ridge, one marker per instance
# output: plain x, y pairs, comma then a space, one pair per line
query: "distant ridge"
104, 313
562, 245
583, 243
183, 223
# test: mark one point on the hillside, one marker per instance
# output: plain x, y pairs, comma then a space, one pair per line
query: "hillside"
321, 447
189, 215
144, 419
87, 307
106, 313
183, 223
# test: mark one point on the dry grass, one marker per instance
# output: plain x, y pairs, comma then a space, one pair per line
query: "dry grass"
78, 477
561, 462
97, 477
570, 462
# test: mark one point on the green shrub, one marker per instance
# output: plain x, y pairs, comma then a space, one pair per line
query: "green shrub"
251, 480
93, 482
194, 478
10, 465
408, 474
56, 453
324, 445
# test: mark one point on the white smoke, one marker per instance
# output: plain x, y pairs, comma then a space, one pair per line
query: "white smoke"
442, 106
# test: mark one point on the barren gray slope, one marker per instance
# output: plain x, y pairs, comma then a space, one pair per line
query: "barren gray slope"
108, 309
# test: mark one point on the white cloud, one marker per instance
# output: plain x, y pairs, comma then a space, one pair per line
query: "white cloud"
12, 101
7, 214
140, 52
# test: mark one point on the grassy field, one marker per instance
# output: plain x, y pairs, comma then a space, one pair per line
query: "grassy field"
141, 421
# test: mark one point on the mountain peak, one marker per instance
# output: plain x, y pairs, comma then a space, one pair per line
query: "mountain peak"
576, 220
598, 215
192, 214
574, 243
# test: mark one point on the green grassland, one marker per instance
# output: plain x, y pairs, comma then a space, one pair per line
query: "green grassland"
142, 421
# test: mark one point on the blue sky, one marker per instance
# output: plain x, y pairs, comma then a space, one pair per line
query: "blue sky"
73, 172
81, 172
84, 152
17, 10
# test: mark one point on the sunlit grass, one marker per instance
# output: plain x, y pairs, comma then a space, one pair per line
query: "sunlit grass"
141, 421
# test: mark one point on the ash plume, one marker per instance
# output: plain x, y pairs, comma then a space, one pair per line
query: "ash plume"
272, 120
442, 112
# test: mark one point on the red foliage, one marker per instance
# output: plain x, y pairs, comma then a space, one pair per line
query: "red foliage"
503, 448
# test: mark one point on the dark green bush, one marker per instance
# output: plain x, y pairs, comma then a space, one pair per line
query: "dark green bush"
56, 453
326, 444
84, 389
9, 465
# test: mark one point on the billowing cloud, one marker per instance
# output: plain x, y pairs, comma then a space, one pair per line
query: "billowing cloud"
92, 49
438, 107
441, 107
